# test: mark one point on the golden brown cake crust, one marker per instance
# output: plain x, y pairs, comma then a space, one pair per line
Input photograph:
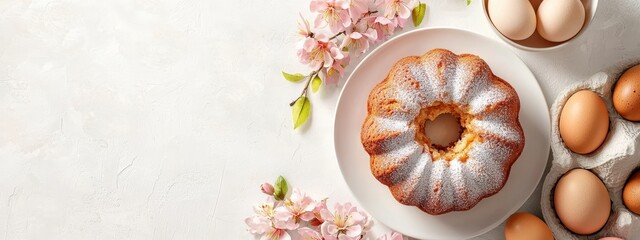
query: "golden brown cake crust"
419, 88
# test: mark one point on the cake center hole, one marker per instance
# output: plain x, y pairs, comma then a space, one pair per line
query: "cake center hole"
443, 131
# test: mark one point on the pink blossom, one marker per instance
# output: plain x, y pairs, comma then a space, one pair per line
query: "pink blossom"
297, 207
304, 29
399, 22
257, 225
358, 37
276, 234
384, 27
345, 223
309, 234
319, 51
331, 12
400, 9
263, 220
358, 7
391, 236
320, 205
267, 188
333, 74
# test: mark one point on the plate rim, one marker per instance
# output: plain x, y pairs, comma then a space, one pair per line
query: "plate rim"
414, 31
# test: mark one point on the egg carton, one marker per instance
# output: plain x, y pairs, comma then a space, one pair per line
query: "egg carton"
613, 162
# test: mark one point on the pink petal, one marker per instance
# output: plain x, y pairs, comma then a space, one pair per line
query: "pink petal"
283, 214
256, 225
291, 225
336, 27
345, 18
319, 22
382, 20
323, 230
358, 7
404, 12
371, 34
345, 237
336, 66
308, 205
309, 44
315, 64
332, 229
356, 217
354, 231
363, 47
295, 195
333, 79
400, 22
336, 53
285, 236
346, 41
276, 234
307, 216
285, 224
328, 60
303, 56
343, 4
303, 26
389, 12
347, 208
355, 35
412, 4
322, 37
308, 233
317, 6
396, 236
338, 208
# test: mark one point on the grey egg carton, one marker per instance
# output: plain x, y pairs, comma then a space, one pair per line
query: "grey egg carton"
613, 162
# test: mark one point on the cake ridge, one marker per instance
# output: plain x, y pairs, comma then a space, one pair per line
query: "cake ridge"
489, 108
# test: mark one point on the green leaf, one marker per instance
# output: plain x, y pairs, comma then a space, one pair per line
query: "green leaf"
293, 77
300, 111
468, 2
280, 188
418, 14
316, 83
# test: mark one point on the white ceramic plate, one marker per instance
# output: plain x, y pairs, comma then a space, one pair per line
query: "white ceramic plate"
376, 199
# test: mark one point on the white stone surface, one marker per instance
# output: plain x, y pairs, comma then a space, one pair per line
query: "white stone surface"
150, 119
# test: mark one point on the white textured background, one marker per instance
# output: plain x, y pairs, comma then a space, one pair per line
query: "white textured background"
141, 119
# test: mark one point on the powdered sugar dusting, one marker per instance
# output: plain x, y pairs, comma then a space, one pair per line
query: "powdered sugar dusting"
411, 187
462, 82
388, 124
484, 97
402, 150
493, 122
486, 164
438, 185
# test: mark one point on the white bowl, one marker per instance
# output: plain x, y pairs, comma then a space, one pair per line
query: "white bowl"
536, 42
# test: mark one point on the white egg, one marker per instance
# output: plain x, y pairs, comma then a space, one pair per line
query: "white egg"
560, 20
515, 19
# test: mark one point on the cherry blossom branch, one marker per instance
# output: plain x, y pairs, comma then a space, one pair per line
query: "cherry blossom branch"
310, 77
280, 215
344, 30
337, 34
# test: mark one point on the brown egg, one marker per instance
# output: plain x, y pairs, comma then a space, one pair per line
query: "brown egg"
526, 226
631, 193
626, 94
582, 202
584, 122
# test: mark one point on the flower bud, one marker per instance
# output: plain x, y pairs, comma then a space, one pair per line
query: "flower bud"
267, 188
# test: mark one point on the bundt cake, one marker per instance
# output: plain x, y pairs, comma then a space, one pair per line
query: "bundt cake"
440, 179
